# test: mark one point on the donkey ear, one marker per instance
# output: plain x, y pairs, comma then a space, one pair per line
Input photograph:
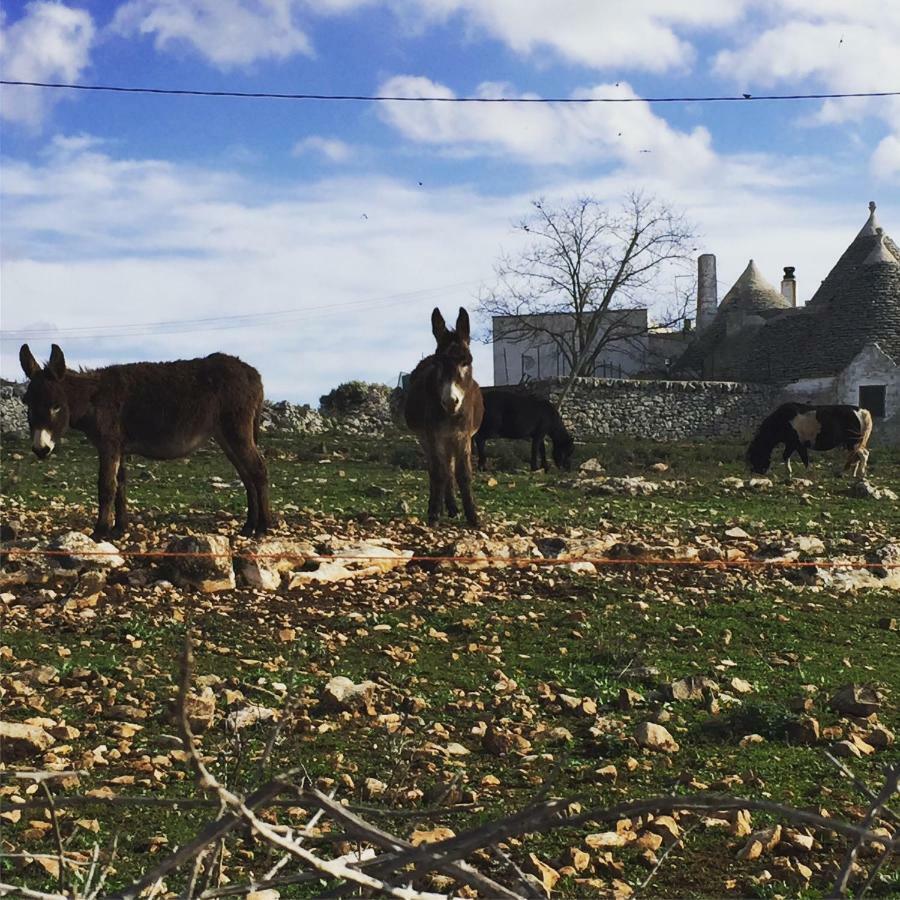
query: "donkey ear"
57, 365
462, 325
438, 325
30, 365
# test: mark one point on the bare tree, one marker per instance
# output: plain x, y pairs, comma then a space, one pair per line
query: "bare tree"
585, 271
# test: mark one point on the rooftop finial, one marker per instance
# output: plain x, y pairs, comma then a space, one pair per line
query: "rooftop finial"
868, 230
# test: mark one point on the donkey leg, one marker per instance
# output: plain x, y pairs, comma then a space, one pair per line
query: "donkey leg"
535, 442
464, 480
435, 481
121, 523
543, 449
106, 489
482, 458
449, 494
238, 457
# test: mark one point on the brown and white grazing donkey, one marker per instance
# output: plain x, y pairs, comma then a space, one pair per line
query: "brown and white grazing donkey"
444, 408
801, 428
156, 410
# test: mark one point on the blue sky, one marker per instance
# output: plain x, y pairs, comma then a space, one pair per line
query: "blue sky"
122, 210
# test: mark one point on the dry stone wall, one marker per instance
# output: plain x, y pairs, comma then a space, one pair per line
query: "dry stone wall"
660, 410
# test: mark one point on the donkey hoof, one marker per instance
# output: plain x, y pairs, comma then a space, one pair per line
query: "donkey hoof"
248, 530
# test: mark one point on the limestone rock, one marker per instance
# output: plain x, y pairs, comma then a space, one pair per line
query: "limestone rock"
211, 570
693, 687
655, 737
201, 709
270, 559
247, 717
20, 741
804, 730
81, 552
342, 693
855, 700
354, 559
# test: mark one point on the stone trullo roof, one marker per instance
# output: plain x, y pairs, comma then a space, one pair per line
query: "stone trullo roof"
857, 304
751, 293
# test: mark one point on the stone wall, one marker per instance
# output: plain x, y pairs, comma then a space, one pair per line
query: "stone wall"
660, 410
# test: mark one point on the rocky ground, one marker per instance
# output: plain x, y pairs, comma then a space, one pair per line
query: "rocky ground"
465, 686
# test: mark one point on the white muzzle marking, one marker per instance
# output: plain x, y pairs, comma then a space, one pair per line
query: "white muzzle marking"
453, 396
42, 440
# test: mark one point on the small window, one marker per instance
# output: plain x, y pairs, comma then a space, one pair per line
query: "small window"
871, 397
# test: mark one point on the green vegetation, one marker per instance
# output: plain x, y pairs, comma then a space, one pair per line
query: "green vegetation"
453, 651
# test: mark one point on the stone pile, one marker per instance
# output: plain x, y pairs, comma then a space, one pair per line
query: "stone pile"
13, 416
291, 417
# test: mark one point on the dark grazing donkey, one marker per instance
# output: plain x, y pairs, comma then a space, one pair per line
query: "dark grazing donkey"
511, 414
444, 408
156, 410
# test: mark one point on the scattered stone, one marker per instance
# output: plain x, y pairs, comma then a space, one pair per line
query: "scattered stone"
855, 700
880, 737
759, 484
666, 827
270, 560
691, 688
655, 737
864, 490
631, 486
592, 467
737, 533
343, 694
210, 570
81, 552
846, 750
732, 482
247, 717
760, 842
605, 840
739, 686
628, 698
201, 709
20, 741
804, 730
352, 559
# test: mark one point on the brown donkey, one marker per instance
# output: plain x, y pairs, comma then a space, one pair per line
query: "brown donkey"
156, 410
444, 408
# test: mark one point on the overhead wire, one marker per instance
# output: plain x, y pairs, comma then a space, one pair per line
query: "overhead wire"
409, 98
224, 323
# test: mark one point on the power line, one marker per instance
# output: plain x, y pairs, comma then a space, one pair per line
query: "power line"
401, 98
224, 323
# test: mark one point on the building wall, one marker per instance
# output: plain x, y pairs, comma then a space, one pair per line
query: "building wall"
660, 410
537, 358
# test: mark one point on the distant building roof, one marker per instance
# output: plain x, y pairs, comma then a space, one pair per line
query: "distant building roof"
858, 303
752, 293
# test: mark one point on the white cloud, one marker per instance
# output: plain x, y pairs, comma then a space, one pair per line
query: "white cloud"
543, 133
228, 33
630, 135
94, 240
839, 47
600, 34
49, 42
332, 149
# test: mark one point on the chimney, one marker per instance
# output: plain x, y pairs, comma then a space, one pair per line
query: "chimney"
707, 290
789, 285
